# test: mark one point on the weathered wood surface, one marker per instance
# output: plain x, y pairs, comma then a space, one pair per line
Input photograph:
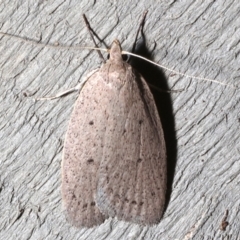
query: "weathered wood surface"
201, 123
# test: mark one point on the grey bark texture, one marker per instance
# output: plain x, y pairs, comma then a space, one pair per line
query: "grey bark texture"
201, 123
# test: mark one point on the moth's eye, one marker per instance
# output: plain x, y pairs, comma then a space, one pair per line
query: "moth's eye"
125, 58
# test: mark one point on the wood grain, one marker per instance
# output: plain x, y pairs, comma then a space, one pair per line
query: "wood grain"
201, 123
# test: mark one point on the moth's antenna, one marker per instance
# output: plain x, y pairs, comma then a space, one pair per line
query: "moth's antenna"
106, 50
178, 73
49, 45
28, 40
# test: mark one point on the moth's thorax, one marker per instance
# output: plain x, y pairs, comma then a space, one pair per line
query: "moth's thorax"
117, 72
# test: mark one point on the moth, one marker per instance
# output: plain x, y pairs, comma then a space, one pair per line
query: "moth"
114, 157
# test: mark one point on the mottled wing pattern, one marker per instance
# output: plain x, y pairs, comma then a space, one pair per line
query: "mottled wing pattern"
83, 149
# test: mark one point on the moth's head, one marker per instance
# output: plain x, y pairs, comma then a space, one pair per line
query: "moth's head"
115, 51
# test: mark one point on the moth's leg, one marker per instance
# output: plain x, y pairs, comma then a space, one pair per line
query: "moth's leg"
77, 88
137, 41
140, 28
92, 34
